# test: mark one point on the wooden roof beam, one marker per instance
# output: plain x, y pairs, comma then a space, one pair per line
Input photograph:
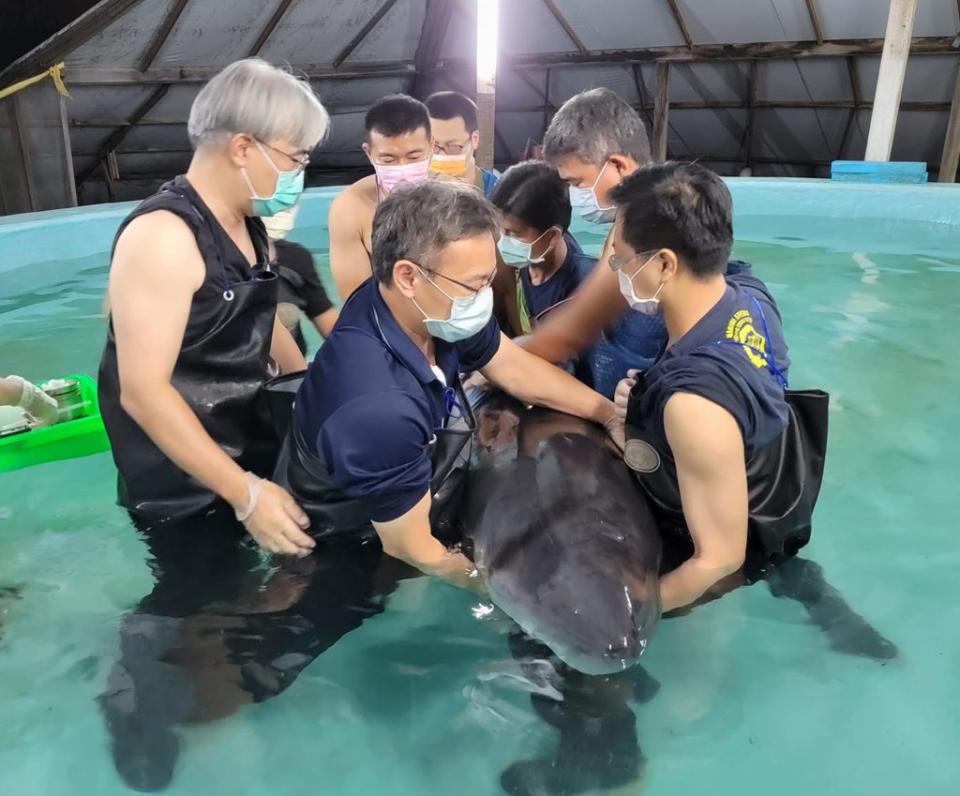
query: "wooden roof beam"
357, 40
281, 10
161, 35
117, 136
681, 22
565, 24
815, 20
66, 40
437, 18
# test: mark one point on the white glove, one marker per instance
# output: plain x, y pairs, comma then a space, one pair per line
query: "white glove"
35, 402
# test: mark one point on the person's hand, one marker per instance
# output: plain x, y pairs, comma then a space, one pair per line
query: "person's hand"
275, 521
616, 431
622, 395
36, 403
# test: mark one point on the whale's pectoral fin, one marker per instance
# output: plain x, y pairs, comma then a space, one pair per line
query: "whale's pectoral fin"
802, 580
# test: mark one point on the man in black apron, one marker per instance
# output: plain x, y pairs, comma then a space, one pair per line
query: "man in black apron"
726, 454
381, 420
193, 313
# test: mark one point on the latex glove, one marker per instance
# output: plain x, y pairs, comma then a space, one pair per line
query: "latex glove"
616, 431
35, 402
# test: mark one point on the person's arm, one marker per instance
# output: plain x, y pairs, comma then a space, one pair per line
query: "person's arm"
707, 445
325, 321
535, 381
285, 351
575, 325
156, 270
409, 538
349, 260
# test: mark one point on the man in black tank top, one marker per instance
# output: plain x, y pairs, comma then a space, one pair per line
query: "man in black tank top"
725, 453
193, 313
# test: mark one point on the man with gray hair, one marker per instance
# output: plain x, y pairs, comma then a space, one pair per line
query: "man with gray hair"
595, 140
193, 313
374, 438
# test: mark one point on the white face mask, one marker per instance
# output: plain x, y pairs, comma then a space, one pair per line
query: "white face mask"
648, 306
468, 314
519, 254
585, 204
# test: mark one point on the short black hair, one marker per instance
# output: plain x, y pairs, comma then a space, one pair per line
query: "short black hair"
396, 115
534, 192
450, 104
415, 222
679, 206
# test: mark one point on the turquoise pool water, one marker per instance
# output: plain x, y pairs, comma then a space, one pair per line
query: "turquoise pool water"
426, 699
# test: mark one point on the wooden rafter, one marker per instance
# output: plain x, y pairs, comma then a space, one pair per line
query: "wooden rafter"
370, 24
117, 136
815, 20
661, 112
681, 22
65, 41
279, 13
749, 132
437, 18
565, 24
161, 34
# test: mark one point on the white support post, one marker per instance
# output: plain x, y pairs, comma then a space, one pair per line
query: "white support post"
893, 67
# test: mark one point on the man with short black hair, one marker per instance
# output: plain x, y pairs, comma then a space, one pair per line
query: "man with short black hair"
375, 437
729, 458
456, 136
536, 242
397, 143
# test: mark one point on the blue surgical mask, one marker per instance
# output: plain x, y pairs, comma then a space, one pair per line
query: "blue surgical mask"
585, 204
519, 254
285, 195
468, 314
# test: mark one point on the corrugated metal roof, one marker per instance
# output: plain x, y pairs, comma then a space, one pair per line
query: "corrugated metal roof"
710, 120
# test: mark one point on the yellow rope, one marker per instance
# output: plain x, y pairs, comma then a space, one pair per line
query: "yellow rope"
55, 72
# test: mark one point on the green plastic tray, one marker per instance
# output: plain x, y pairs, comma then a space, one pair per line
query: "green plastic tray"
69, 440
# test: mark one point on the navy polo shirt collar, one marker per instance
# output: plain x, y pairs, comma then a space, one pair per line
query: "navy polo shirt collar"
399, 342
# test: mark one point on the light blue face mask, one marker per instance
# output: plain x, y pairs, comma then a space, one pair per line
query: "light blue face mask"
584, 203
285, 195
468, 314
519, 254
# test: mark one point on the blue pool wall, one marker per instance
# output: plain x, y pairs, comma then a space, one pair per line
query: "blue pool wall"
894, 219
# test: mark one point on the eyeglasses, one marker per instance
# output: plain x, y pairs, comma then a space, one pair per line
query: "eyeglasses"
450, 148
618, 262
487, 282
302, 161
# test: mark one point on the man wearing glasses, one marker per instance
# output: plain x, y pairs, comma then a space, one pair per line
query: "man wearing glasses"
456, 136
381, 419
193, 314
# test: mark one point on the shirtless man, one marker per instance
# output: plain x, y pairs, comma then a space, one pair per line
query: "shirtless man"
399, 148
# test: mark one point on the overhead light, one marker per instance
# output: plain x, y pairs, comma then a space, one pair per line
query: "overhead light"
487, 22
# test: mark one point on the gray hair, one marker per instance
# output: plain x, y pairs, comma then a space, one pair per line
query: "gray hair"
595, 124
262, 100
416, 222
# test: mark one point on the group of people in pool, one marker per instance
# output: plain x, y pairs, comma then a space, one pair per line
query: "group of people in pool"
440, 264
444, 270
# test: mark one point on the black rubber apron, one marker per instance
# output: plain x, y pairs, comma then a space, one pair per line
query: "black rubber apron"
331, 512
220, 371
783, 478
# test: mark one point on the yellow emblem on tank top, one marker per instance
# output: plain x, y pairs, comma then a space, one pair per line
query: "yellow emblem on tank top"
740, 329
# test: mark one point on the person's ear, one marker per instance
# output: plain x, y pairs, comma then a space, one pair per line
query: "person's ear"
238, 149
475, 139
366, 148
622, 164
405, 274
668, 264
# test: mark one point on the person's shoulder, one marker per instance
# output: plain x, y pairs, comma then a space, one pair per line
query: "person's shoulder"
158, 236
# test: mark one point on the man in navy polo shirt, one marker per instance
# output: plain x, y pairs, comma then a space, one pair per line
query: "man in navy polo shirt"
381, 419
